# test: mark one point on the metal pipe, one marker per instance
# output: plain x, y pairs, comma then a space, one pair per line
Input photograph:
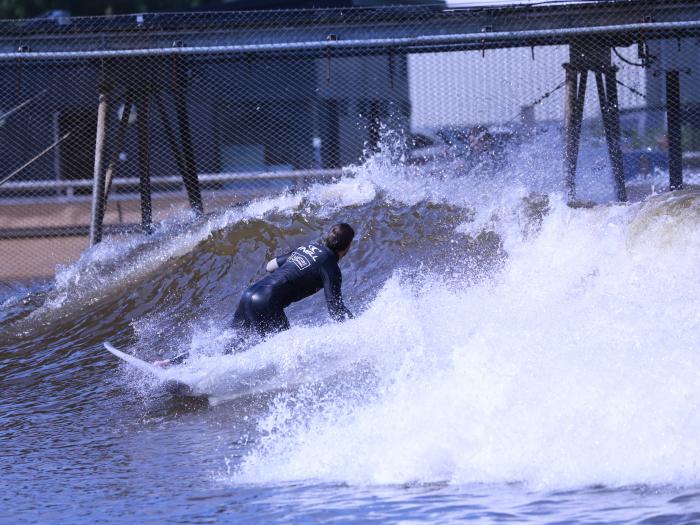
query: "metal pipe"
35, 158
144, 152
673, 112
571, 76
614, 127
322, 45
576, 81
612, 140
173, 180
189, 174
22, 105
169, 134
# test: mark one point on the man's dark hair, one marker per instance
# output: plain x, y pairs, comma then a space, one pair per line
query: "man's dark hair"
339, 237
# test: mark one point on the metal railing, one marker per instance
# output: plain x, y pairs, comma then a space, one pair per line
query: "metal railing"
171, 183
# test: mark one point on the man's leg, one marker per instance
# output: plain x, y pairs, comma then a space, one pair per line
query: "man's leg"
241, 323
276, 321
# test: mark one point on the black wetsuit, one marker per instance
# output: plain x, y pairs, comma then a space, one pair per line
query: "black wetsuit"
300, 273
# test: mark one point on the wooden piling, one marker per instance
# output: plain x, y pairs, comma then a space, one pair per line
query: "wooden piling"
673, 113
606, 81
189, 173
98, 173
114, 158
144, 154
576, 81
616, 158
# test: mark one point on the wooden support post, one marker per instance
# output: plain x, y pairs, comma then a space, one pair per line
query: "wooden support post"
673, 112
589, 54
114, 158
606, 81
189, 173
55, 118
576, 81
98, 173
144, 153
169, 134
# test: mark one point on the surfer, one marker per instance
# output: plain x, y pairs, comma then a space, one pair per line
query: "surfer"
292, 277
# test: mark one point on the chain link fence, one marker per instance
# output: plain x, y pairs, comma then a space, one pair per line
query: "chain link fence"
108, 125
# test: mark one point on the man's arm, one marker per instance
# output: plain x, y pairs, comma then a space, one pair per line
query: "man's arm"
332, 283
278, 261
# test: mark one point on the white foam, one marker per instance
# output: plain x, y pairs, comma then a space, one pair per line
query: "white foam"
577, 366
345, 192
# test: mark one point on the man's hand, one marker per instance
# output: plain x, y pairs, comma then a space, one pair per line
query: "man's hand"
163, 364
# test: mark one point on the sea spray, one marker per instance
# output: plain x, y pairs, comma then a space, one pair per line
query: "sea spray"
576, 367
501, 335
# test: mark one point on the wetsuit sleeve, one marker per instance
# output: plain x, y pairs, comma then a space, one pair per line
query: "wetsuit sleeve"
332, 283
281, 259
276, 262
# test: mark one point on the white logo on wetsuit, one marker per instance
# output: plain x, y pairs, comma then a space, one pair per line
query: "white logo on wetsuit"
311, 251
301, 261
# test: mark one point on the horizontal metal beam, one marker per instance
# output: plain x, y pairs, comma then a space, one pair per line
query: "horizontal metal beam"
41, 232
405, 19
505, 37
176, 181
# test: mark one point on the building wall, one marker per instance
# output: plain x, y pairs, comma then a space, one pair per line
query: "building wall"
471, 87
682, 55
245, 115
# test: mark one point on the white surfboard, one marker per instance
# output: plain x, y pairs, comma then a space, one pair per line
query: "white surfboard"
174, 386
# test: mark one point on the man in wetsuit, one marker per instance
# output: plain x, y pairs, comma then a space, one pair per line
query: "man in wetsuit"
293, 276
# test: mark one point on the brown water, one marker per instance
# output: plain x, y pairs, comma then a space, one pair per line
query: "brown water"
512, 359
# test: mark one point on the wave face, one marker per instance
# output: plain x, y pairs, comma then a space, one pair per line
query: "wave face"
575, 364
501, 336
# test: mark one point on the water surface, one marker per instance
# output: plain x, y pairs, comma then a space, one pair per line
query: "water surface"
513, 359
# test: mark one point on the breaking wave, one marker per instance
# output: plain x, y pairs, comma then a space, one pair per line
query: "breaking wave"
502, 335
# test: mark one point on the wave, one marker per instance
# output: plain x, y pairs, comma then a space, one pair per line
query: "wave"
577, 365
502, 335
